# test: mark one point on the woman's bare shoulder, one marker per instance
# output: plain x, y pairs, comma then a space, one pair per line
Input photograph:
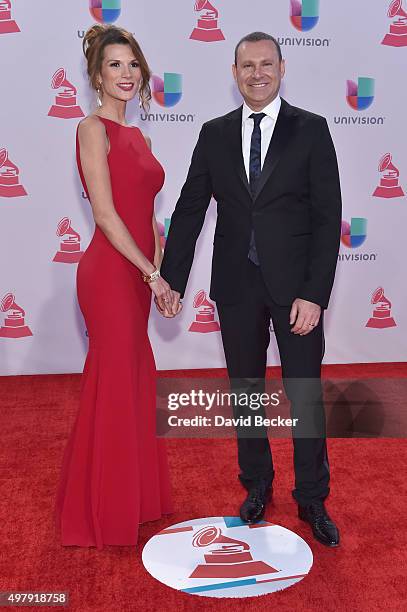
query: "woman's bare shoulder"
91, 127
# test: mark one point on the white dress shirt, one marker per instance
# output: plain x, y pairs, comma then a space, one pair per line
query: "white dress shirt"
266, 126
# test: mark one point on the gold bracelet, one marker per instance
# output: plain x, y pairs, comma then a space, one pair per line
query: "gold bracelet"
149, 278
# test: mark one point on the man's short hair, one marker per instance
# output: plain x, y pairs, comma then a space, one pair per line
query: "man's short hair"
256, 37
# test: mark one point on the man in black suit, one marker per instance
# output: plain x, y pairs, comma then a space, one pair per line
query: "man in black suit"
272, 169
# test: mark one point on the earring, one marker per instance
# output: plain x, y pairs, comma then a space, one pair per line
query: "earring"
140, 98
98, 97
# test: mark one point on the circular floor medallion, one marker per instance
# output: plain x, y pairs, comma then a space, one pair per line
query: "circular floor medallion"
220, 556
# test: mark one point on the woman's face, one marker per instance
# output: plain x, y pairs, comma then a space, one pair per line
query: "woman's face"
120, 73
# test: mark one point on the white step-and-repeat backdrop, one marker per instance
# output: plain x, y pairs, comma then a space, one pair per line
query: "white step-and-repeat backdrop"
345, 60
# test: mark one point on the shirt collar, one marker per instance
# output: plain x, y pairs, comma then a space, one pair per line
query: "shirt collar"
271, 110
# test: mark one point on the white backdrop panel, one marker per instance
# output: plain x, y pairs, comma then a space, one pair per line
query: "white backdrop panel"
344, 44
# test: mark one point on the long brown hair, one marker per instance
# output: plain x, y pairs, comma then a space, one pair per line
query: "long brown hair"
94, 43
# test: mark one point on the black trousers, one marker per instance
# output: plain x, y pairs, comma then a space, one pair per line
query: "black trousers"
245, 328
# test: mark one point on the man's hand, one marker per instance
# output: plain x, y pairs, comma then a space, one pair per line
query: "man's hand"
305, 315
171, 308
176, 303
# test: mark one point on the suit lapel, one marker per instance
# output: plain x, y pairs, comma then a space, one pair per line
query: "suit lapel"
283, 132
234, 135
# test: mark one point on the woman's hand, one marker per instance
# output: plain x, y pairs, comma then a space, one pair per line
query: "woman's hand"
163, 295
167, 311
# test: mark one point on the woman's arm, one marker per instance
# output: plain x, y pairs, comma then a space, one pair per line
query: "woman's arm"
158, 253
93, 155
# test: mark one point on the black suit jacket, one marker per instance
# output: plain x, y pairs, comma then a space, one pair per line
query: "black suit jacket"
295, 212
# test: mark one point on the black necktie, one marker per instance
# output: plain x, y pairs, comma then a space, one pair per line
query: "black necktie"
254, 172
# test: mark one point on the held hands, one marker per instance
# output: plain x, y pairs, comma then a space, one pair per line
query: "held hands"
166, 300
305, 315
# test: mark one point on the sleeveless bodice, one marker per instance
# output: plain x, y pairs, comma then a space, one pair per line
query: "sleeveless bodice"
136, 177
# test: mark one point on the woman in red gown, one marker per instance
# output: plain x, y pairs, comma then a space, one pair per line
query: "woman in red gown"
114, 473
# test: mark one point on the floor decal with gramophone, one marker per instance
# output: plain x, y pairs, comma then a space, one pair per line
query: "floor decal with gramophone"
224, 557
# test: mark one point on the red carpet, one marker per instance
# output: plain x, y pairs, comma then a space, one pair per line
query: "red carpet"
368, 501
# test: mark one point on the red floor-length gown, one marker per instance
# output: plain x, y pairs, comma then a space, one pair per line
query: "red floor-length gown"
115, 473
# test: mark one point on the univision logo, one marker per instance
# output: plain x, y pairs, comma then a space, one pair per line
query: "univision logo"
360, 96
304, 16
163, 229
167, 92
105, 11
353, 235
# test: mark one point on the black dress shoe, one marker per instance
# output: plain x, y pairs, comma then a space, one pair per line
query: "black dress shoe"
323, 528
253, 508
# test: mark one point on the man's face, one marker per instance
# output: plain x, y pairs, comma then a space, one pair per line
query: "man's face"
258, 73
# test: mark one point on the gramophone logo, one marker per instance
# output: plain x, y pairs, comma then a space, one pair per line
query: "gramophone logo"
65, 106
7, 23
361, 95
304, 14
205, 317
167, 91
163, 229
9, 178
14, 324
381, 317
397, 37
389, 182
70, 245
225, 557
105, 11
207, 29
354, 234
